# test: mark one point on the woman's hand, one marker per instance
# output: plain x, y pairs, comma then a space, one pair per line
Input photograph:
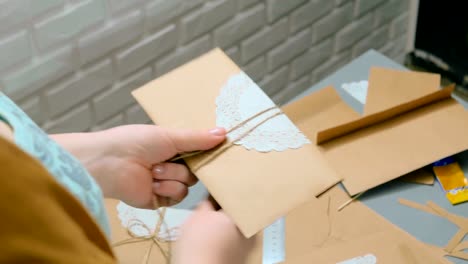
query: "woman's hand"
211, 237
129, 162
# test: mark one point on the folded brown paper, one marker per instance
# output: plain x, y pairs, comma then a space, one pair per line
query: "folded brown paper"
389, 88
254, 188
356, 231
343, 129
421, 176
384, 151
135, 252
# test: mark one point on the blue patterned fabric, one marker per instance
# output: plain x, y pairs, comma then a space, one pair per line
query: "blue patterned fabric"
66, 169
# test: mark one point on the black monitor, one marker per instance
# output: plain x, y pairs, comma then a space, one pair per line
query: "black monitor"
441, 40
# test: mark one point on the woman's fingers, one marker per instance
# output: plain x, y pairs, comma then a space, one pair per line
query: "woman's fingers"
174, 172
185, 140
173, 190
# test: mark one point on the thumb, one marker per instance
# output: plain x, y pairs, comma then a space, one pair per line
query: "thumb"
190, 140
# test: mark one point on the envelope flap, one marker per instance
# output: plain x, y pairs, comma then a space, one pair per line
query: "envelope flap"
389, 88
338, 129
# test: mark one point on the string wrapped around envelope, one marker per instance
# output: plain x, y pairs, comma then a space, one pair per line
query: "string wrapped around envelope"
155, 237
217, 151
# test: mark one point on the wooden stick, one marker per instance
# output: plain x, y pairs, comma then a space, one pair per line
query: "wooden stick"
349, 201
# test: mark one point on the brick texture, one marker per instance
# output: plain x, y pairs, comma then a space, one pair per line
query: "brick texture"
313, 58
291, 90
64, 26
184, 54
308, 13
160, 12
14, 50
118, 98
78, 119
111, 122
391, 9
71, 65
331, 65
122, 5
136, 115
234, 54
36, 75
242, 4
288, 50
110, 37
264, 40
333, 22
18, 12
92, 81
206, 19
375, 40
279, 8
274, 82
363, 6
143, 52
399, 26
256, 69
240, 27
354, 32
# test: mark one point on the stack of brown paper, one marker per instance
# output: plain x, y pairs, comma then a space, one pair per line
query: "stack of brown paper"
254, 188
398, 135
338, 236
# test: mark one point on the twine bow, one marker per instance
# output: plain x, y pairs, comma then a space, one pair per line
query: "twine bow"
154, 237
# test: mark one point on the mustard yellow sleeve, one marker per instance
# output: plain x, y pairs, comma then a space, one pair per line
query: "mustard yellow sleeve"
40, 221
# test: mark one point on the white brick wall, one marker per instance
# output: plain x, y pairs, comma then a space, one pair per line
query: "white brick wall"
71, 64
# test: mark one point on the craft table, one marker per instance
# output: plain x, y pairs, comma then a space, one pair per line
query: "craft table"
384, 199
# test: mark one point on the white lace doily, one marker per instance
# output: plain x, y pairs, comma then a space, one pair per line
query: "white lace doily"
358, 90
240, 98
366, 259
169, 231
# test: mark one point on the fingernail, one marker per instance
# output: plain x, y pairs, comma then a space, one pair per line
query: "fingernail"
156, 184
218, 131
158, 169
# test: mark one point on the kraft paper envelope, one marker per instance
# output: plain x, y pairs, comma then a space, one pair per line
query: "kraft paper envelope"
134, 252
356, 231
253, 187
390, 148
